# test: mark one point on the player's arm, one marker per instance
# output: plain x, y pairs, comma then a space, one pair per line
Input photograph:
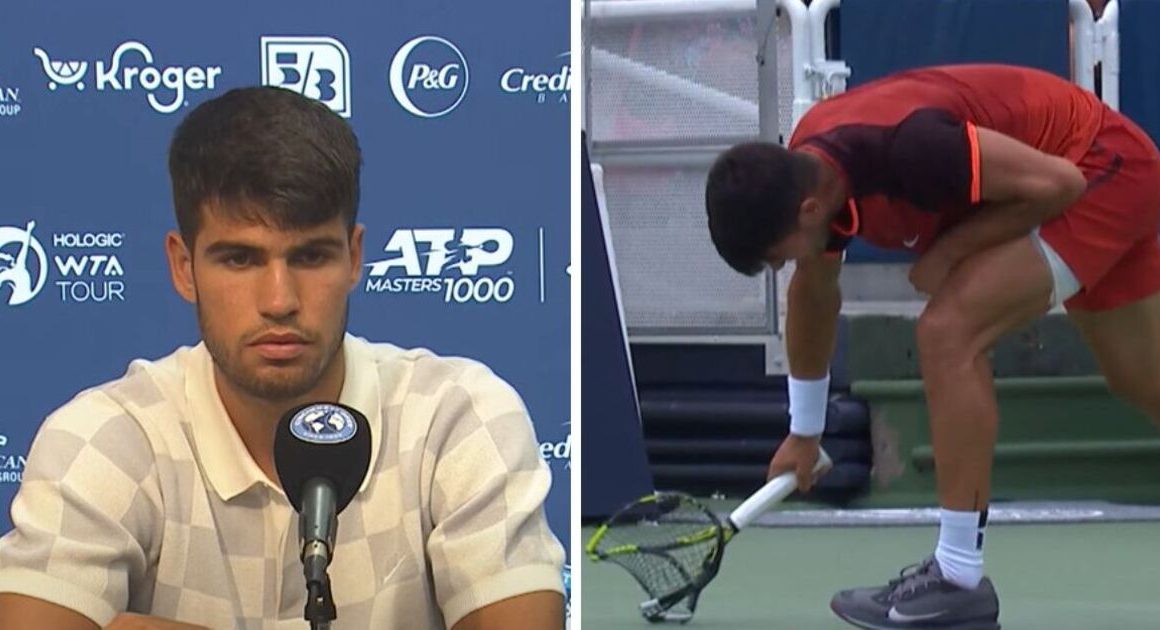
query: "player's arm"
814, 301
540, 610
83, 520
22, 611
1020, 187
941, 161
495, 562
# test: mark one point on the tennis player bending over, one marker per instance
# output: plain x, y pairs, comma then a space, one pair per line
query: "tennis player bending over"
1019, 191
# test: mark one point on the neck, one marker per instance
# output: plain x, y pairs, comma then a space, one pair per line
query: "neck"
831, 186
255, 418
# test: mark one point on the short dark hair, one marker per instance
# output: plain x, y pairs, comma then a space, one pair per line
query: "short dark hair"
752, 198
296, 160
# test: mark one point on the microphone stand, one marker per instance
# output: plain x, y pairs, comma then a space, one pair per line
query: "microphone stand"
320, 609
319, 604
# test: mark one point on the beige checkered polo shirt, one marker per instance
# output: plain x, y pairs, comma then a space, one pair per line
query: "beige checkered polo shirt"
140, 496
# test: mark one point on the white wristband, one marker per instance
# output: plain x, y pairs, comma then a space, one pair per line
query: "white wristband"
807, 406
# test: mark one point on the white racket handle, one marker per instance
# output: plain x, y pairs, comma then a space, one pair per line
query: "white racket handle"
773, 492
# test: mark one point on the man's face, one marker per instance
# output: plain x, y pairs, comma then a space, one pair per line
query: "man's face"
808, 239
271, 303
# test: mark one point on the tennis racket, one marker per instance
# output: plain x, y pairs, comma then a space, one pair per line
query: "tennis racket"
672, 544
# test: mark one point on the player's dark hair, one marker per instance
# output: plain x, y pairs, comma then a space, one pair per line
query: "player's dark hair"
292, 161
752, 198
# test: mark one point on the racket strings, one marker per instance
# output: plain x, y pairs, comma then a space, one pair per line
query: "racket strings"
666, 546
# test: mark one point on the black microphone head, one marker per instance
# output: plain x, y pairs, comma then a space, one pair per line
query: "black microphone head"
327, 440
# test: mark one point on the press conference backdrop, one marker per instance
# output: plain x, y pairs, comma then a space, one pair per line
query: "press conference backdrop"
461, 109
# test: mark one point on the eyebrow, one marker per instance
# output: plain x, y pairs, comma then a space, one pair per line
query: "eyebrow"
321, 242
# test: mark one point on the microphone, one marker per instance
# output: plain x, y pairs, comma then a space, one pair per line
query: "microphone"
321, 453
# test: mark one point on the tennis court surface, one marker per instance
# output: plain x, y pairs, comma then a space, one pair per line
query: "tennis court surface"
1096, 574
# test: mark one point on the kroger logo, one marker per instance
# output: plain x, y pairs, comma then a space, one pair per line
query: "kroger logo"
552, 83
429, 76
315, 67
454, 263
171, 82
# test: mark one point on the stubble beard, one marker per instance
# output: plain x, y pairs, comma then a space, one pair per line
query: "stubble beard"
287, 383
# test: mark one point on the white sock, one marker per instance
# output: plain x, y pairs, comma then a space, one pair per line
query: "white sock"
960, 546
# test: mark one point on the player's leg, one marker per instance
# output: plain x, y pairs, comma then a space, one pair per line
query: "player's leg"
985, 296
1126, 343
1118, 312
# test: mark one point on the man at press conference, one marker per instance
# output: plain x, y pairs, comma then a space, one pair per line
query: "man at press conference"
154, 502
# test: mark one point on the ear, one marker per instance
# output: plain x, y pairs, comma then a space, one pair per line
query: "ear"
180, 266
356, 251
811, 213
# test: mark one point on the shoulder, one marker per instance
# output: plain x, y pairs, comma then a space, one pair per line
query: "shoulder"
422, 372
879, 105
120, 415
438, 400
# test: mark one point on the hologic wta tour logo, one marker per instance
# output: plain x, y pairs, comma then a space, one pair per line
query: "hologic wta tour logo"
23, 271
85, 264
131, 69
429, 76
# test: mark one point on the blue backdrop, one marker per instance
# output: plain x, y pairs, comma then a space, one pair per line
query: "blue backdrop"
462, 112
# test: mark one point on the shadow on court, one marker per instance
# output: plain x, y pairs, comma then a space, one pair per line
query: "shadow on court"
1092, 576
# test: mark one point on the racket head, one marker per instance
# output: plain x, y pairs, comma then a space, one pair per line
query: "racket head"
672, 546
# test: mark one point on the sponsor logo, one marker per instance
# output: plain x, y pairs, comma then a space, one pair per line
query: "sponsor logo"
551, 84
323, 424
462, 265
11, 466
429, 76
131, 68
558, 451
894, 615
315, 67
85, 264
10, 104
23, 271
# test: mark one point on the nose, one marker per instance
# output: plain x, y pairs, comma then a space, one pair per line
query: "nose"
277, 292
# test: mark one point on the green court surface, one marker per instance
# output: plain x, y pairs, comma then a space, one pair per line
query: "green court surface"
1090, 576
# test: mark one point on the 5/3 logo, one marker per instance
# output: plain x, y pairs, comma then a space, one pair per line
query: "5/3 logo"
315, 67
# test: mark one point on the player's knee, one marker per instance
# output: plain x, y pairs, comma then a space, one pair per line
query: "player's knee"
943, 334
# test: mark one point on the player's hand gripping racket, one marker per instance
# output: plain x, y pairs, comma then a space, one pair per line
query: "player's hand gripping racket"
672, 544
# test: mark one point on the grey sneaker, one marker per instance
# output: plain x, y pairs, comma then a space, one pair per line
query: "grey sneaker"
920, 598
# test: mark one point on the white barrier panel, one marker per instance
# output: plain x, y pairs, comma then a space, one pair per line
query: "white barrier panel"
1083, 71
1108, 46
